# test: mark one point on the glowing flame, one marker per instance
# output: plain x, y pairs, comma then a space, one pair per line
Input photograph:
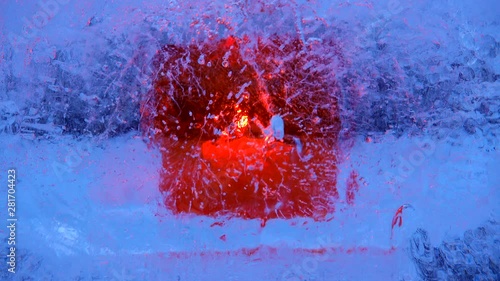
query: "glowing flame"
243, 122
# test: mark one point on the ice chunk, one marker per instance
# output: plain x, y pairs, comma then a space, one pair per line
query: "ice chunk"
201, 59
298, 145
277, 127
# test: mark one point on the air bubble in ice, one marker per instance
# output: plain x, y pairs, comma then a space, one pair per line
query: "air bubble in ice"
487, 45
201, 60
471, 60
468, 41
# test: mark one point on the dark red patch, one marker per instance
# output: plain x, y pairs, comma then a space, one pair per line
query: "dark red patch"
207, 112
352, 188
218, 223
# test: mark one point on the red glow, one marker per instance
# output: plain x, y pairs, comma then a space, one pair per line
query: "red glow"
209, 111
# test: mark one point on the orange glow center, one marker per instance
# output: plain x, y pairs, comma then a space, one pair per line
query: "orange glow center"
243, 122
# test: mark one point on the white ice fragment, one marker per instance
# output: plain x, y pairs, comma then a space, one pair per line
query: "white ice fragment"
278, 205
91, 98
307, 65
277, 127
306, 158
312, 40
226, 56
201, 59
242, 89
70, 234
239, 101
298, 145
50, 128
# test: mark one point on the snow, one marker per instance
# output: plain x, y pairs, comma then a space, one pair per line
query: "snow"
421, 111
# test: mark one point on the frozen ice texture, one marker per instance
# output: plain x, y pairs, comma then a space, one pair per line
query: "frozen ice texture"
474, 256
402, 70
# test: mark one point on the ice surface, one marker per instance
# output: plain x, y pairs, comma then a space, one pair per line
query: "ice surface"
419, 104
106, 212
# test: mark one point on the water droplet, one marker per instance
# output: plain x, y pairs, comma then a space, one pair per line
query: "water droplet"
225, 63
